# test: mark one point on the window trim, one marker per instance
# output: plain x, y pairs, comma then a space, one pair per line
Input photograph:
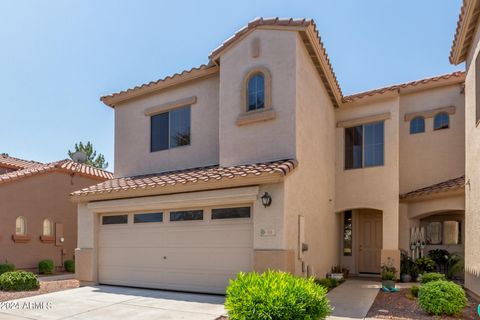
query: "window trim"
50, 227
25, 231
169, 127
231, 207
363, 146
258, 115
148, 222
186, 210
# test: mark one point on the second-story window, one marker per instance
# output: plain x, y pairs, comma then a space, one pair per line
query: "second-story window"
441, 121
170, 129
417, 125
256, 92
364, 146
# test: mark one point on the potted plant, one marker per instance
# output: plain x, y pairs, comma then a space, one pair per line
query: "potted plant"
389, 275
336, 273
345, 272
406, 267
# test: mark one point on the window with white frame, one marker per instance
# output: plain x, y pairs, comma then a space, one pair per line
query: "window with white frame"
20, 226
47, 227
170, 129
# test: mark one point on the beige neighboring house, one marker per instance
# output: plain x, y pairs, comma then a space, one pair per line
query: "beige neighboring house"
465, 49
38, 221
256, 161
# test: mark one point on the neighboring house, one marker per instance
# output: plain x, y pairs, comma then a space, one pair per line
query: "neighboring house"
258, 161
38, 219
465, 49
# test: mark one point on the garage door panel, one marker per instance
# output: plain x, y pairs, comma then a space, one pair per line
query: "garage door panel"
192, 256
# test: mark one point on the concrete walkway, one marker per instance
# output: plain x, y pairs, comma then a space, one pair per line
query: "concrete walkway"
109, 302
353, 298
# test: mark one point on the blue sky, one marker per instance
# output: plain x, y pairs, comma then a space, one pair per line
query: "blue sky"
58, 57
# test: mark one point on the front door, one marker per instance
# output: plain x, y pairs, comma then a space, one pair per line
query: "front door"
370, 242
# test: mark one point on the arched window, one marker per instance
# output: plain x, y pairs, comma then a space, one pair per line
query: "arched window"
256, 92
441, 121
20, 226
417, 125
47, 227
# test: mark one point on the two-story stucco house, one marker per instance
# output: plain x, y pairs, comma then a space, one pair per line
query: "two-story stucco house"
256, 160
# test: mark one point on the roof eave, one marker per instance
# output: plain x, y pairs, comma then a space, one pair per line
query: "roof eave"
433, 195
466, 26
115, 99
265, 178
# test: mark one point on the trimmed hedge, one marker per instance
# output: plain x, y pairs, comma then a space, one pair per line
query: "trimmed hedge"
69, 265
442, 298
432, 276
414, 291
275, 295
18, 281
46, 266
6, 267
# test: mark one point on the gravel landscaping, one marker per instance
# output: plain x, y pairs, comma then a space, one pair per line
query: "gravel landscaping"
45, 287
397, 306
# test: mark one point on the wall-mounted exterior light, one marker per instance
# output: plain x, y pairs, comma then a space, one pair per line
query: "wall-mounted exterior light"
266, 199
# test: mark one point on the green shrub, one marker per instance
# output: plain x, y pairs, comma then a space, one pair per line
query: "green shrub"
432, 276
414, 291
275, 295
442, 298
6, 267
46, 266
69, 265
328, 283
425, 264
18, 281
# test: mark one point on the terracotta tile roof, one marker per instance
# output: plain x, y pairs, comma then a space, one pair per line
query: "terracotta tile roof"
449, 185
15, 163
464, 33
63, 165
437, 79
159, 84
189, 176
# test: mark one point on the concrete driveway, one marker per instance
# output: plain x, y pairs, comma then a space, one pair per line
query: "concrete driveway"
109, 302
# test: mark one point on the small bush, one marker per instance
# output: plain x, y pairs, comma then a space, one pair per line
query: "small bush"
432, 276
275, 295
425, 264
46, 266
414, 291
442, 298
328, 283
6, 267
18, 281
69, 265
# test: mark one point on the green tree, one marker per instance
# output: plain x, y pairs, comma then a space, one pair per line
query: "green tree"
93, 159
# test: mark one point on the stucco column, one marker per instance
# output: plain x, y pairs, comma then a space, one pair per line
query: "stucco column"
85, 253
390, 251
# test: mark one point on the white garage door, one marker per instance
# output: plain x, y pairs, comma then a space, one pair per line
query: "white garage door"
195, 250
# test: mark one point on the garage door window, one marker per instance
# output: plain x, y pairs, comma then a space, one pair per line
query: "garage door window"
231, 213
120, 219
148, 217
186, 215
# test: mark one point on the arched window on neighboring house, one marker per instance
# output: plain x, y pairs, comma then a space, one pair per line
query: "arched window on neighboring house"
417, 125
441, 121
20, 226
47, 227
256, 91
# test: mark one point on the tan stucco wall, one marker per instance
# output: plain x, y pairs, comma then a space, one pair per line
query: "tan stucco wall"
374, 187
433, 156
132, 131
309, 190
264, 141
472, 173
37, 198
